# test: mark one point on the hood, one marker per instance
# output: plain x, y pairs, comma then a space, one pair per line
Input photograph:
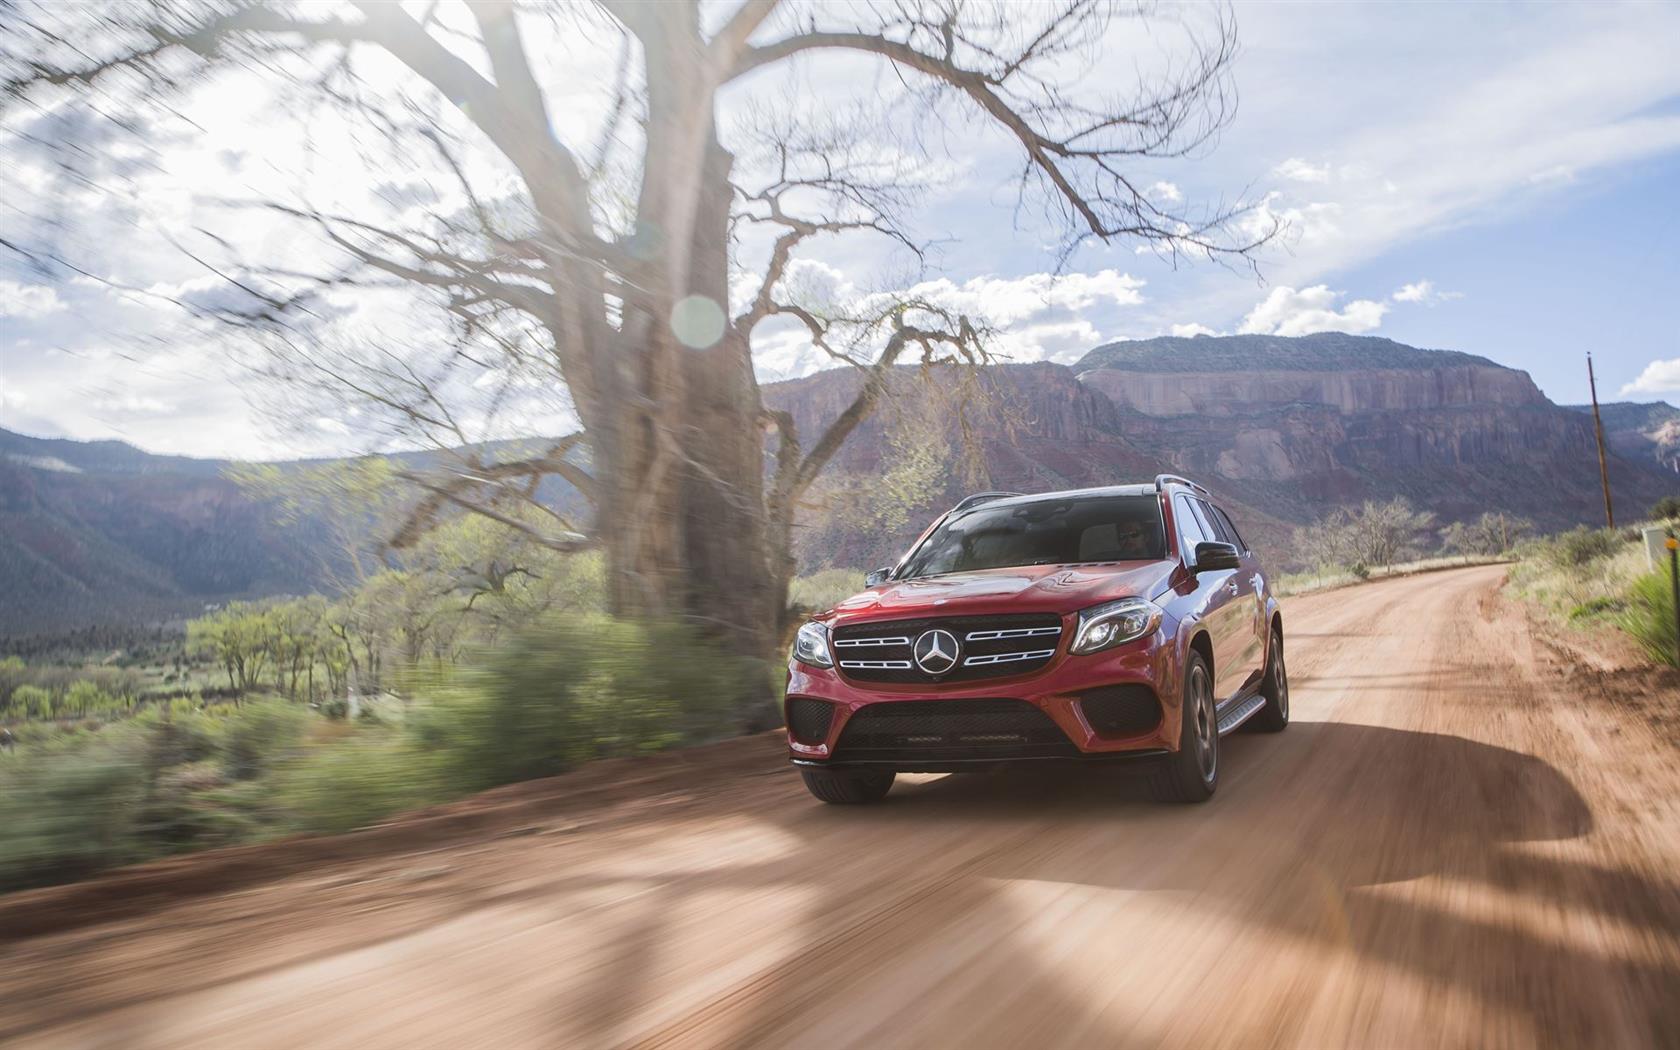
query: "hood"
1027, 588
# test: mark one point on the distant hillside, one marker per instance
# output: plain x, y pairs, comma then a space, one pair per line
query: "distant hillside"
1641, 431
1322, 351
98, 533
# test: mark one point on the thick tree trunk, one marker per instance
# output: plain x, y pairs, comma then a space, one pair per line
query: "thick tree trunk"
724, 524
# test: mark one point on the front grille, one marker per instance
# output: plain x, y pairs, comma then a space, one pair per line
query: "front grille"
808, 720
1121, 710
990, 647
952, 729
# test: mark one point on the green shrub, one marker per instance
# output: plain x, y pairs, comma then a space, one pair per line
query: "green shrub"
1666, 509
579, 688
357, 780
31, 701
67, 812
1649, 617
1596, 606
1581, 546
258, 736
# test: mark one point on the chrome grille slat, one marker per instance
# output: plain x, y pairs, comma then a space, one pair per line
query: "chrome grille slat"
1008, 658
1019, 632
881, 665
871, 641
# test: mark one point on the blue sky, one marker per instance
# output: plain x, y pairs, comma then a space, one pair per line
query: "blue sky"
1498, 179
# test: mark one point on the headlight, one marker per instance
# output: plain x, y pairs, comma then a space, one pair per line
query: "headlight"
1114, 623
810, 645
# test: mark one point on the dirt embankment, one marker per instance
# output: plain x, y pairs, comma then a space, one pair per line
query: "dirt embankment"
1467, 838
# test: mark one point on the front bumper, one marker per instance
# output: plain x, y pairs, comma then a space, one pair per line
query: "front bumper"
1056, 690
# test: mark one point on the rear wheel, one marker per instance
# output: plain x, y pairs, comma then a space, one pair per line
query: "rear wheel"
841, 787
1193, 773
1274, 717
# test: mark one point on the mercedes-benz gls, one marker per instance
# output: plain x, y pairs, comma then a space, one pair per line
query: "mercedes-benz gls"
1130, 622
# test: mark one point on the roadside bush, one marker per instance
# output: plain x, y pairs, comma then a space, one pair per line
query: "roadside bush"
356, 780
1581, 546
1649, 617
259, 735
69, 811
579, 688
1666, 509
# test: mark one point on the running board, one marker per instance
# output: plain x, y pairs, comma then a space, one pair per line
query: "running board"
1239, 712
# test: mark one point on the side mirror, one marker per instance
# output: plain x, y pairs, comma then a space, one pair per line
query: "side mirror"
1211, 556
876, 577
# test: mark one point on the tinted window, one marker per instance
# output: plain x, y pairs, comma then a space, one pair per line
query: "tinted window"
1230, 527
1044, 532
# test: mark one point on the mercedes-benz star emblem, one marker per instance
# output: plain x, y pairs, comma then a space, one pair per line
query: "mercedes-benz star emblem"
936, 651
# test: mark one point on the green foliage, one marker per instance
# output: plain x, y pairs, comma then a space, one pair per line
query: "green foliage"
578, 688
259, 736
68, 811
357, 779
31, 701
1649, 616
1580, 546
1597, 606
1666, 509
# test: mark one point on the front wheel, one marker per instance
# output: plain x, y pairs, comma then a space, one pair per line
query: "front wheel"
1274, 717
1193, 773
841, 787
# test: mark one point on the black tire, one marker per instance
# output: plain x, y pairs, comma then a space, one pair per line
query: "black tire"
1274, 717
1192, 775
840, 787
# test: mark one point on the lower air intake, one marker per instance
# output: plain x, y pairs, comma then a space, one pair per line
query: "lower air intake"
808, 720
952, 730
1121, 710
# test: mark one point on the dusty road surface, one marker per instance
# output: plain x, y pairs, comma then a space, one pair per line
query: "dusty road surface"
1459, 843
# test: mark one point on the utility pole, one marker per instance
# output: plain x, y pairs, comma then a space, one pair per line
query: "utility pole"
1603, 464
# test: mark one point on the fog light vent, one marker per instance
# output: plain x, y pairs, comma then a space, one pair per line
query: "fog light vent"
808, 720
1121, 710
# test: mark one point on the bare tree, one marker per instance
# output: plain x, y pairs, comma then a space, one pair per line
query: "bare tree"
604, 260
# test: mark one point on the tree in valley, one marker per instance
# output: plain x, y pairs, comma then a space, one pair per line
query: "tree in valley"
1363, 537
1493, 533
595, 263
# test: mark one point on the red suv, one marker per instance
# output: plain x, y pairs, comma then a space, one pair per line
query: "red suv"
1129, 622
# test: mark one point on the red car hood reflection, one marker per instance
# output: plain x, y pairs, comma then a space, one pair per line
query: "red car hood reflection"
1029, 588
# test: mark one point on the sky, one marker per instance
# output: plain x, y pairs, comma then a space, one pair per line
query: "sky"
1498, 179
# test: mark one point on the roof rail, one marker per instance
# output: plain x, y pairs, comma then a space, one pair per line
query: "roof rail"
1163, 480
981, 497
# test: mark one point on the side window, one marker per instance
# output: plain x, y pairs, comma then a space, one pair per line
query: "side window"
1189, 528
1210, 524
1230, 526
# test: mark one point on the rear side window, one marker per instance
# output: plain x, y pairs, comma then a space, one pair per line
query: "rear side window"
1190, 530
1224, 519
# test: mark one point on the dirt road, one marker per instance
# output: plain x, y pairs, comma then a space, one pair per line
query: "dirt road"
1459, 843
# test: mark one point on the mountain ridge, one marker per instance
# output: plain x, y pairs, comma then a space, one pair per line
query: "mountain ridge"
104, 532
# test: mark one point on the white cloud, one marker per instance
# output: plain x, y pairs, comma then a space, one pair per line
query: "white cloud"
28, 300
1166, 192
1659, 377
1298, 170
1185, 331
1424, 292
1287, 311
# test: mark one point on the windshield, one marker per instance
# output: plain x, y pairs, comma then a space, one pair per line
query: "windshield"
1044, 532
